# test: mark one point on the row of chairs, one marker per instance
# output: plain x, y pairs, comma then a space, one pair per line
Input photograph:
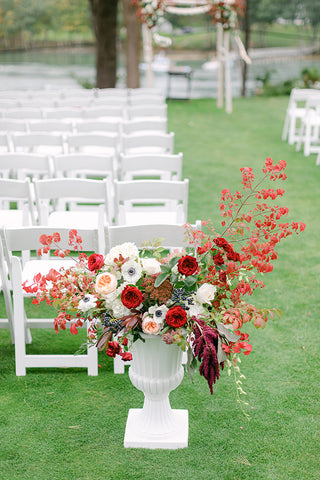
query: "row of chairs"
156, 166
302, 121
81, 101
153, 208
58, 143
15, 269
79, 201
115, 111
130, 94
78, 125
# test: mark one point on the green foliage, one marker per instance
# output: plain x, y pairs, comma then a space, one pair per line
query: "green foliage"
310, 76
31, 18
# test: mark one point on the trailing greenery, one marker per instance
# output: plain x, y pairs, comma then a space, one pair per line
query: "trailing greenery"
65, 425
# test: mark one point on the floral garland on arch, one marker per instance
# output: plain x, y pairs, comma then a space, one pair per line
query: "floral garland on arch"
226, 13
149, 11
196, 299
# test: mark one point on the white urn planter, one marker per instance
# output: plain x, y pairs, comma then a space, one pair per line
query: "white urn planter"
156, 370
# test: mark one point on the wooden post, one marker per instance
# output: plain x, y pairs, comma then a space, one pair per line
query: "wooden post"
220, 67
228, 94
147, 54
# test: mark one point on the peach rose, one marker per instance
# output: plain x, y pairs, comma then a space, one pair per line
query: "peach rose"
150, 325
106, 283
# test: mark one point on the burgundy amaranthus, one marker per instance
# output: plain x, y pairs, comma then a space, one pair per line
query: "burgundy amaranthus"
205, 350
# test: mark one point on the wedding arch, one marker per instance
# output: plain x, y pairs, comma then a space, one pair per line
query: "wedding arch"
224, 15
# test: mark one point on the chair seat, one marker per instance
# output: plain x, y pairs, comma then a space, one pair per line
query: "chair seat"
12, 218
74, 219
136, 218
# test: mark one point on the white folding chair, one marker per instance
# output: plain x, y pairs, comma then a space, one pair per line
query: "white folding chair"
105, 112
146, 99
111, 92
310, 127
93, 143
153, 166
97, 126
172, 236
295, 112
136, 92
76, 202
7, 125
4, 142
151, 202
61, 113
22, 113
84, 165
19, 192
50, 126
18, 240
140, 125
148, 142
7, 322
47, 143
146, 111
22, 165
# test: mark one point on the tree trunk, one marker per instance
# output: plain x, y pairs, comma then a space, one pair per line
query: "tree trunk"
133, 43
246, 28
104, 19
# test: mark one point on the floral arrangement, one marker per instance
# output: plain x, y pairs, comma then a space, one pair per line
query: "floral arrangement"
195, 299
226, 13
149, 11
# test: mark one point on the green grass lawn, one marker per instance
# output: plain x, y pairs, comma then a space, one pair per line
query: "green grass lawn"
65, 425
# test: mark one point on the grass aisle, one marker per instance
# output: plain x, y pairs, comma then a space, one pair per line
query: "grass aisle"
68, 426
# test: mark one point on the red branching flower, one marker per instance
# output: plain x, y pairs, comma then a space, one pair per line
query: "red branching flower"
126, 356
113, 349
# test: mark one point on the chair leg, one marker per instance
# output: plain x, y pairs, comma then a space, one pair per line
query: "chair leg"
18, 318
285, 128
92, 353
307, 141
118, 365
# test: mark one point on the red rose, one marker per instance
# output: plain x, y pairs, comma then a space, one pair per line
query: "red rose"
222, 276
95, 262
126, 356
131, 297
218, 259
232, 255
113, 349
221, 242
176, 317
187, 265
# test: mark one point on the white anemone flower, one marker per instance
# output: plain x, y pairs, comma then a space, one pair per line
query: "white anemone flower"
158, 313
131, 271
87, 302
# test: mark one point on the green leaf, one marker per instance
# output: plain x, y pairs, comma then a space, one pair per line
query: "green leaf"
173, 261
165, 268
192, 364
173, 278
190, 281
160, 279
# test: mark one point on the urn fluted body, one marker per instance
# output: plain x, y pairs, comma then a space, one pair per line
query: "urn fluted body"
156, 370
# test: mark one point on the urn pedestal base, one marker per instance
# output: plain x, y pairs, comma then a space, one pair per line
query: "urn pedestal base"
156, 370
176, 438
